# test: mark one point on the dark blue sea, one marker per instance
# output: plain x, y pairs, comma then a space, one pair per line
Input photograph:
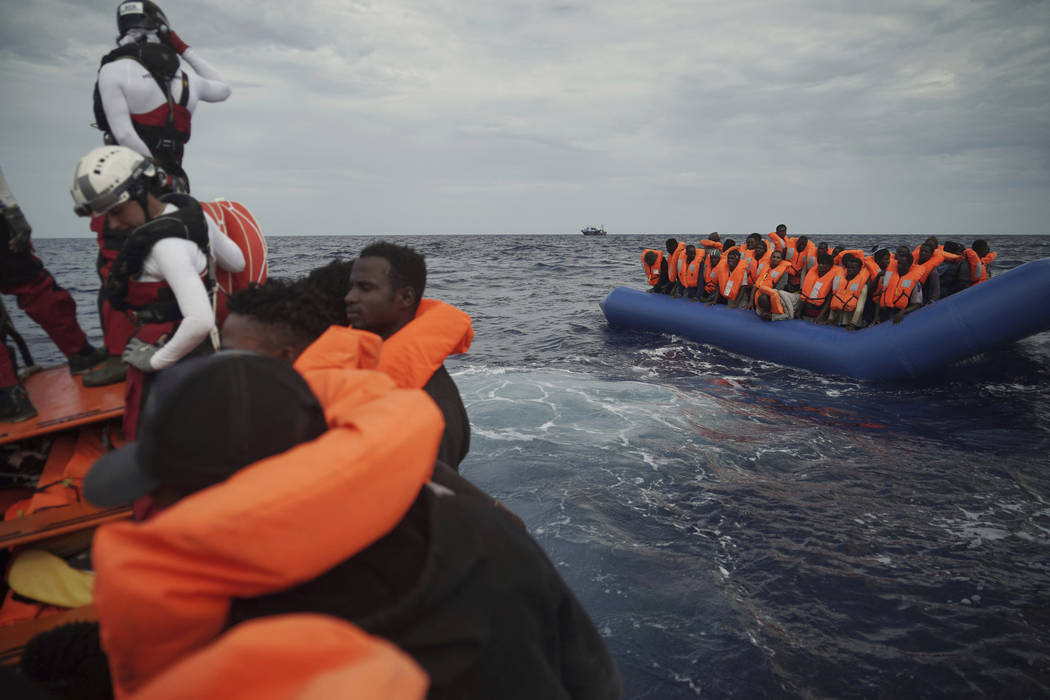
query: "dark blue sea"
736, 528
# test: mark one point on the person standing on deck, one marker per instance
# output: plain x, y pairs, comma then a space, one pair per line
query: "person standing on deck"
24, 276
145, 100
161, 278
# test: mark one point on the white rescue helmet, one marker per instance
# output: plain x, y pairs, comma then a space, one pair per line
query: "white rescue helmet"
108, 176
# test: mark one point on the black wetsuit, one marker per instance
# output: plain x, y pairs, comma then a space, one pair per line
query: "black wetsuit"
456, 441
460, 586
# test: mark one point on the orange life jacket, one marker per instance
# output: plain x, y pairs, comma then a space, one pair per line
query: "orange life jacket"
776, 306
163, 587
301, 656
847, 296
770, 276
897, 290
728, 282
978, 272
858, 254
652, 272
689, 274
816, 287
778, 242
711, 244
412, 355
672, 261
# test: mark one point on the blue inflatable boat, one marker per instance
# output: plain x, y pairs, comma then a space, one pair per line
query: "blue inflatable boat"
1006, 308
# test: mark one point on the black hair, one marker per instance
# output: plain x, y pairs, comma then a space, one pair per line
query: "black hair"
762, 302
801, 242
407, 266
713, 236
754, 236
332, 282
881, 253
953, 247
671, 244
297, 308
688, 248
761, 245
932, 240
837, 249
728, 243
848, 258
781, 226
650, 256
825, 258
68, 661
980, 246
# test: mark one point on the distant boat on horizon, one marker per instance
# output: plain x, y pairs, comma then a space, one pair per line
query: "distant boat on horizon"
591, 231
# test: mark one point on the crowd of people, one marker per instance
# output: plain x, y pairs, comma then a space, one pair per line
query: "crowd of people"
785, 277
301, 528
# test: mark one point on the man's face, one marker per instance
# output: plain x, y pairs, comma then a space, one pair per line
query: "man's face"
822, 268
775, 258
373, 304
732, 259
125, 217
925, 252
852, 268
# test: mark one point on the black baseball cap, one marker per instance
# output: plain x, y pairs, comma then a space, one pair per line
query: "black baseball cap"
206, 418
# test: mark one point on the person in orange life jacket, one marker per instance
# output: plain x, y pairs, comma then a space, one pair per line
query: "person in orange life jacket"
690, 268
850, 298
281, 319
775, 304
675, 249
817, 290
386, 288
901, 289
23, 275
803, 257
713, 240
780, 238
929, 259
976, 269
878, 267
159, 279
757, 260
730, 283
434, 583
655, 264
775, 273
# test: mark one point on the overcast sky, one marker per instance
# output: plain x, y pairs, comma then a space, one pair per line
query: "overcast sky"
471, 116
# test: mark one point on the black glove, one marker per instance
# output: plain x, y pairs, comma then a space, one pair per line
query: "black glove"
18, 229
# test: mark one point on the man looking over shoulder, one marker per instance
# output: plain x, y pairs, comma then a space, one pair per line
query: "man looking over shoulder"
386, 298
143, 100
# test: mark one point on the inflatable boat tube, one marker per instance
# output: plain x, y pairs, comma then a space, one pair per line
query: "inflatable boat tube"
1006, 308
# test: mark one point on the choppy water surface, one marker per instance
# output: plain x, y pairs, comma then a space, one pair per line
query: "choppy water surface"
736, 528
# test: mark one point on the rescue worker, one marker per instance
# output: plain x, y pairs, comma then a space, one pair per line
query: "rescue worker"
150, 111
160, 280
386, 298
226, 438
144, 100
24, 276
